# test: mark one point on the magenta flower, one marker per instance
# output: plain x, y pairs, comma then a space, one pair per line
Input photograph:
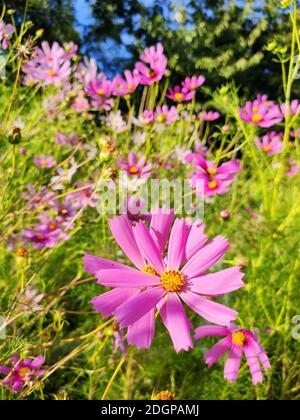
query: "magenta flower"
164, 279
178, 94
271, 143
6, 32
124, 86
294, 108
261, 112
35, 199
152, 66
164, 114
43, 238
44, 161
49, 66
209, 116
84, 197
71, 140
216, 179
237, 341
99, 87
135, 166
135, 208
22, 372
193, 83
147, 118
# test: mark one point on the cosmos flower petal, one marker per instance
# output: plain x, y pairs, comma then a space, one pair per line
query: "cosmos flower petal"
109, 301
148, 248
217, 351
233, 363
220, 283
209, 310
210, 330
177, 243
141, 332
261, 354
126, 278
177, 323
93, 264
122, 231
253, 363
160, 227
137, 306
196, 240
38, 362
206, 257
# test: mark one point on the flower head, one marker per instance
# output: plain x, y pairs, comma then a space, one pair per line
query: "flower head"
271, 143
179, 94
134, 166
216, 179
44, 161
165, 277
237, 341
6, 31
165, 115
152, 66
261, 112
124, 86
22, 372
193, 83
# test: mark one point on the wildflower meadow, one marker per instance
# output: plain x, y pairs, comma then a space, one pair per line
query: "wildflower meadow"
149, 225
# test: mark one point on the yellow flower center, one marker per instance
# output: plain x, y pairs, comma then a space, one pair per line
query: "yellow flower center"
23, 372
134, 170
172, 280
256, 117
212, 185
100, 92
52, 73
178, 96
150, 270
161, 118
193, 86
239, 338
130, 87
212, 171
267, 148
255, 109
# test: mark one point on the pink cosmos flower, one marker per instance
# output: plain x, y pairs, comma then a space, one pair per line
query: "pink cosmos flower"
193, 83
86, 71
80, 103
237, 341
164, 114
49, 66
261, 112
294, 108
153, 65
31, 299
124, 86
6, 32
178, 94
209, 116
147, 118
71, 140
35, 199
70, 49
42, 238
271, 143
135, 166
216, 179
84, 197
201, 149
164, 278
99, 87
44, 161
22, 372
